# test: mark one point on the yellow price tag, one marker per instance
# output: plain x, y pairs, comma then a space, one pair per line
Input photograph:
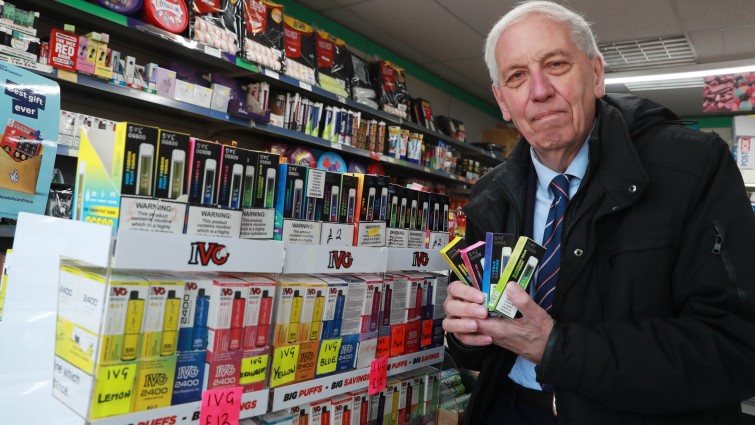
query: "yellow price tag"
328, 359
373, 231
113, 390
253, 369
284, 365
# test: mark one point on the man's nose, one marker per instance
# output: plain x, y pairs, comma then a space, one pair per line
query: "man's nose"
541, 87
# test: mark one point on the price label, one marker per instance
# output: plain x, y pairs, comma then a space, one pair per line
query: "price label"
427, 333
284, 365
336, 145
112, 390
398, 340
453, 176
462, 178
378, 375
341, 99
221, 406
272, 74
427, 169
375, 156
328, 359
374, 231
253, 370
212, 51
383, 347
305, 86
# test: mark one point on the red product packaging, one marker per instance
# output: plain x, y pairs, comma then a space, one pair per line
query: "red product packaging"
63, 48
169, 15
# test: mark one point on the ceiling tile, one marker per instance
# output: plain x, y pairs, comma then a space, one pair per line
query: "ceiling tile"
480, 15
460, 80
708, 45
621, 20
705, 14
738, 42
422, 24
472, 69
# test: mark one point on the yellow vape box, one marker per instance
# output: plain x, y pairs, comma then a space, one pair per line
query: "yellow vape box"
161, 316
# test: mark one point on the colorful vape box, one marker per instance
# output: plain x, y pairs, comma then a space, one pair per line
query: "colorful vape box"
161, 316
498, 250
335, 304
397, 293
301, 414
190, 368
204, 163
521, 268
121, 332
267, 178
412, 209
289, 297
306, 367
392, 401
341, 408
370, 314
398, 203
360, 411
291, 186
439, 206
139, 152
172, 165
154, 384
451, 253
331, 197
254, 369
222, 369
310, 326
413, 293
86, 55
372, 196
473, 258
432, 393
236, 179
423, 205
320, 412
429, 324
192, 329
349, 203
225, 318
315, 194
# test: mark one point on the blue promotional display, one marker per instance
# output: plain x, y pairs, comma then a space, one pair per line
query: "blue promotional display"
29, 115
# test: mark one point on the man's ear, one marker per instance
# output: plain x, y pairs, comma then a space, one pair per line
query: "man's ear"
501, 103
599, 86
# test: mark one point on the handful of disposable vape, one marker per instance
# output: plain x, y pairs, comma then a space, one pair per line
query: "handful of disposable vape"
520, 268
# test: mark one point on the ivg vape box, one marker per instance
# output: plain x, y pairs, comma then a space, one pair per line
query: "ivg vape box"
397, 236
341, 408
259, 294
360, 410
438, 221
121, 332
310, 326
290, 223
289, 302
254, 366
154, 384
190, 368
333, 232
161, 316
195, 306
226, 313
204, 163
258, 214
172, 165
222, 369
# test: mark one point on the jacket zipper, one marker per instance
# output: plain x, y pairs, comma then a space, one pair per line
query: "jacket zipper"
718, 249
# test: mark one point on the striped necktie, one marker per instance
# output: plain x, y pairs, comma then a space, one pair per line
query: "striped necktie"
548, 274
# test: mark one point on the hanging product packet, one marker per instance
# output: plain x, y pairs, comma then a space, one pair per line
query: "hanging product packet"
218, 23
391, 86
360, 82
332, 63
264, 43
300, 49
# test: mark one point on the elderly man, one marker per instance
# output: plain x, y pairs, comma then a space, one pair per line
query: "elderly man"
642, 309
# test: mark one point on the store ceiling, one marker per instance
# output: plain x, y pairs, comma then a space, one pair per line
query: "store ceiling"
446, 36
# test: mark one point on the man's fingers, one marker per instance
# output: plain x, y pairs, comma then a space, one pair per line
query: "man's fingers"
522, 300
465, 292
459, 326
456, 308
476, 340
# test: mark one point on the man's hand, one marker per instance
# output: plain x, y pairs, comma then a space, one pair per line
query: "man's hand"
464, 313
526, 335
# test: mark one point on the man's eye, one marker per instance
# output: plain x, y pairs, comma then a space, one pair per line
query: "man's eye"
515, 78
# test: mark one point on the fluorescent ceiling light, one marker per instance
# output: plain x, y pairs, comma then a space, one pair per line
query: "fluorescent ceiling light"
680, 75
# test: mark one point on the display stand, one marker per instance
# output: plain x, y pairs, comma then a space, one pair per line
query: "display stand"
42, 241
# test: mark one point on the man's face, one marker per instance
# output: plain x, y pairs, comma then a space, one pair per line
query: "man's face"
547, 85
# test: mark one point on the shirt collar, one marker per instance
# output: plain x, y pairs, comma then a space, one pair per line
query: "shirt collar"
576, 169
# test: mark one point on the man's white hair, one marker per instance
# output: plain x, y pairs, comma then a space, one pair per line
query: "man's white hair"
580, 29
